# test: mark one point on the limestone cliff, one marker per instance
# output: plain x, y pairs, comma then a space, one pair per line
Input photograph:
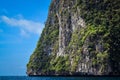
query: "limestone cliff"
80, 37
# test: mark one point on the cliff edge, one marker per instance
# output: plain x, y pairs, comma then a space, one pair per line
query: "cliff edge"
80, 37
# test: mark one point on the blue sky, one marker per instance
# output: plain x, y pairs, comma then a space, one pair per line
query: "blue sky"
21, 23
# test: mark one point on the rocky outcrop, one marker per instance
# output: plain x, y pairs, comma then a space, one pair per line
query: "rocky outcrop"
77, 39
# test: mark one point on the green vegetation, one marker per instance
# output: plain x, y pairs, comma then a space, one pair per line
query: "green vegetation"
79, 38
40, 59
61, 64
107, 14
101, 37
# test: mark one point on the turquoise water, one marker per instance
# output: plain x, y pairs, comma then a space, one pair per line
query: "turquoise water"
58, 78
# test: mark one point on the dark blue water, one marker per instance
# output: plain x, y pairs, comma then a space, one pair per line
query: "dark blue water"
57, 78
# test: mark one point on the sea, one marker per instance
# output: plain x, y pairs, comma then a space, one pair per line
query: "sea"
56, 78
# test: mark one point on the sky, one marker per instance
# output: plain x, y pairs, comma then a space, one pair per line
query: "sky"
21, 23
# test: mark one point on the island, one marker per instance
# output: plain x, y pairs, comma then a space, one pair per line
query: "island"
80, 37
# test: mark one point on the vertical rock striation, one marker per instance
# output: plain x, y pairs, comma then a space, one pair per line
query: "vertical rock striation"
80, 37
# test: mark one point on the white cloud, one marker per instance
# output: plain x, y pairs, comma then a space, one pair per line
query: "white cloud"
26, 26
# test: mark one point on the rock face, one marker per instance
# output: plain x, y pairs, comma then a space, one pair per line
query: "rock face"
80, 37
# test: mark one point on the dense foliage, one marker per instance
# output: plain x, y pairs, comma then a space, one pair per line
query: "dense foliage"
105, 13
102, 19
